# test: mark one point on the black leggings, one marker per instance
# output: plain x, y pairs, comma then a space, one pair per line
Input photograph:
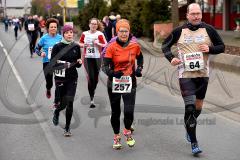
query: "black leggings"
16, 32
129, 104
192, 89
32, 37
92, 66
48, 76
65, 93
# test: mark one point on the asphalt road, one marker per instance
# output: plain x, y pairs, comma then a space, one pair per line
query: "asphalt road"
27, 132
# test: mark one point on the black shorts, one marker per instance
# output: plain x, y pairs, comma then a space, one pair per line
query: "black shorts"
194, 86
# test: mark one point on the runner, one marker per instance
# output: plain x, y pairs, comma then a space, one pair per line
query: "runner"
119, 65
5, 21
16, 24
65, 64
195, 40
31, 27
44, 49
41, 25
92, 41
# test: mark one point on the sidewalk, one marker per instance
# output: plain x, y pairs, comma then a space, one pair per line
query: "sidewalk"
232, 42
230, 38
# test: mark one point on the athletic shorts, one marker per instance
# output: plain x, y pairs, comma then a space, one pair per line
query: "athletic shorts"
194, 86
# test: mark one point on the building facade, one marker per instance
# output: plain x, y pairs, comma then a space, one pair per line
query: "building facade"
15, 7
222, 14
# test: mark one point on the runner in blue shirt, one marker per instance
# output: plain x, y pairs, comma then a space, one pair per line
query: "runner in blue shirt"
44, 49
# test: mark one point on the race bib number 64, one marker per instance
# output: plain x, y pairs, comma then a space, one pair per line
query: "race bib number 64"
193, 61
122, 85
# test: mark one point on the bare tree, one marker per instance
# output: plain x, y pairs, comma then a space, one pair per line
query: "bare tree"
175, 13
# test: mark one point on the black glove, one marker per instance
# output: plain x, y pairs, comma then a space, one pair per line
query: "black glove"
117, 74
67, 65
138, 72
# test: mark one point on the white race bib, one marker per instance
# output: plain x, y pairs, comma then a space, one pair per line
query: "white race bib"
90, 51
49, 52
31, 27
193, 61
42, 29
60, 72
122, 85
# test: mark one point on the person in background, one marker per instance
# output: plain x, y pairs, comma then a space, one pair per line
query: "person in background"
107, 28
16, 24
113, 21
5, 21
31, 27
41, 25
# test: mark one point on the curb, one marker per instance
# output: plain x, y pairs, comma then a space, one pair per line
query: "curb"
227, 62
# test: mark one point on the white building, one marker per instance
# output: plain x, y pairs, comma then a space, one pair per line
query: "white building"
17, 7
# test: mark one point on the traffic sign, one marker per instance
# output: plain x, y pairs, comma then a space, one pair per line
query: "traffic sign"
61, 3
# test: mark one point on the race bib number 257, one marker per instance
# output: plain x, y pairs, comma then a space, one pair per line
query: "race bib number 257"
122, 85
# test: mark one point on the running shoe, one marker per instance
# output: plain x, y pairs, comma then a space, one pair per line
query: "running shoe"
129, 139
195, 149
132, 129
117, 142
48, 94
67, 133
92, 105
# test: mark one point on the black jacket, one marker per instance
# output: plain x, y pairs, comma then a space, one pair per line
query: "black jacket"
69, 53
217, 47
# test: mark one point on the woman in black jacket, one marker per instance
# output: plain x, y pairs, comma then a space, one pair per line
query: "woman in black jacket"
66, 57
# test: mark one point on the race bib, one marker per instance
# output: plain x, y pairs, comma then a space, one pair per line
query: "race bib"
90, 51
193, 61
31, 27
49, 52
42, 29
60, 72
122, 85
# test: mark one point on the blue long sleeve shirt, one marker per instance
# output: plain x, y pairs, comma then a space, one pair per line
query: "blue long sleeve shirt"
45, 44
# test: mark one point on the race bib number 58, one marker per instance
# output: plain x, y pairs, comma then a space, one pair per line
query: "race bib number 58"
122, 85
193, 61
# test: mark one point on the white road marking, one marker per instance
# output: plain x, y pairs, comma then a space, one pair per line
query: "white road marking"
1, 44
58, 152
